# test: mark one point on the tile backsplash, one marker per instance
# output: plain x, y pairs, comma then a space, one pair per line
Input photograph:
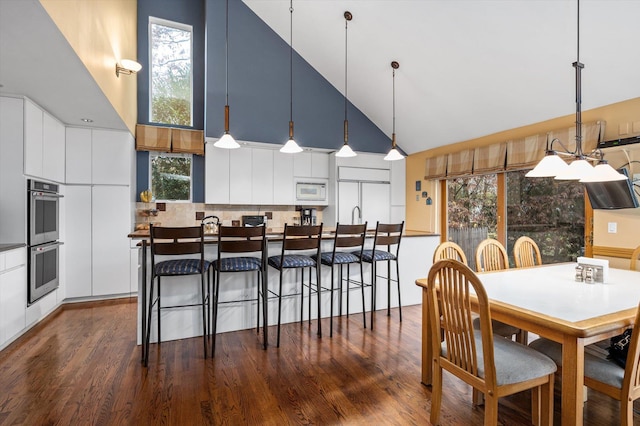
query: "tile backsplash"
184, 214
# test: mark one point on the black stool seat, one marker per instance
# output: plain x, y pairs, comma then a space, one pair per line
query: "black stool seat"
238, 264
181, 267
291, 261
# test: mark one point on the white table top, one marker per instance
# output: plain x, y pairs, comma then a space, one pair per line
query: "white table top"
552, 290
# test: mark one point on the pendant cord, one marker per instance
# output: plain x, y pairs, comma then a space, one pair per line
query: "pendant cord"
346, 24
226, 53
578, 66
394, 102
291, 60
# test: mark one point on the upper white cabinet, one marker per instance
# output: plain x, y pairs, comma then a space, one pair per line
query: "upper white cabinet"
283, 191
311, 164
240, 176
98, 156
216, 187
262, 176
43, 144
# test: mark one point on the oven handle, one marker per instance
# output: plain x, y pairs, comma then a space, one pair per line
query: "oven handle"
46, 194
47, 246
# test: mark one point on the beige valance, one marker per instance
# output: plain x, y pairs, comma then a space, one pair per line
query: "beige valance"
153, 138
591, 134
460, 163
436, 167
187, 140
489, 159
169, 139
525, 153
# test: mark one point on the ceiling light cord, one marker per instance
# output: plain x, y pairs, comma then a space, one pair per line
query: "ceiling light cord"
346, 26
393, 127
291, 63
578, 66
226, 55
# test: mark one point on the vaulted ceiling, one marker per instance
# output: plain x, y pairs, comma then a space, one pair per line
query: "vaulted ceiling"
468, 68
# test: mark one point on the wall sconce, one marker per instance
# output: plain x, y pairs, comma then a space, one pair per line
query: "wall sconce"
127, 67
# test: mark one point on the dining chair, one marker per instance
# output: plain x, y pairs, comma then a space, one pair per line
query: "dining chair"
492, 256
495, 367
387, 236
526, 253
345, 237
177, 241
634, 259
297, 239
604, 375
234, 240
449, 250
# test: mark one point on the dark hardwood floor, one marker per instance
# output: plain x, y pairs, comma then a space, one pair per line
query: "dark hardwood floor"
82, 367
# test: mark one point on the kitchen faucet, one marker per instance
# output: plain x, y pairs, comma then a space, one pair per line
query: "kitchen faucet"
353, 212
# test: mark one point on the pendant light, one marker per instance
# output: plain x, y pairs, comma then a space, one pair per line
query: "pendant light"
226, 141
346, 150
580, 168
394, 154
291, 147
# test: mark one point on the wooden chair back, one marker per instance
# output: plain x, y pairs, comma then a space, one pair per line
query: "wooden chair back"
171, 241
491, 256
235, 239
388, 234
526, 253
306, 237
449, 250
634, 259
349, 236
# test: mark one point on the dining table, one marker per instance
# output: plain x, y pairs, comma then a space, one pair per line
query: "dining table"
548, 301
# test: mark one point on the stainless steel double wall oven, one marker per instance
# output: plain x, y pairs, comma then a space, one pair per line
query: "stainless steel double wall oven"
43, 231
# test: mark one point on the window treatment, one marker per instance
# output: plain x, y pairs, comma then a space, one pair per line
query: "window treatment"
460, 163
187, 141
489, 159
436, 167
153, 138
525, 153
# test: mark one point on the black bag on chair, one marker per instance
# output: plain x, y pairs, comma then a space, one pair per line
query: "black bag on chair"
620, 347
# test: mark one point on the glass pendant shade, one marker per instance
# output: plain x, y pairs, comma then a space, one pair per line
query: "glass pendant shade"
291, 147
226, 142
579, 169
393, 155
345, 151
603, 172
550, 166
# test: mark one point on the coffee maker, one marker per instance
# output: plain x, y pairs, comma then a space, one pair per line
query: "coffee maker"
308, 216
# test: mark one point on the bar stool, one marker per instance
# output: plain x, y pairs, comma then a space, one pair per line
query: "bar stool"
346, 236
386, 235
299, 238
241, 240
177, 241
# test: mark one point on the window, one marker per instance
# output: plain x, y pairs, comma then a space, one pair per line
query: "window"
171, 59
550, 212
473, 212
171, 176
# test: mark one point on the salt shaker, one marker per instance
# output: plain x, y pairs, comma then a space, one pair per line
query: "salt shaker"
589, 275
579, 273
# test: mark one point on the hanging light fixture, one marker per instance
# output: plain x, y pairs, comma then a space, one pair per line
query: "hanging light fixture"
580, 168
394, 154
226, 141
291, 147
346, 150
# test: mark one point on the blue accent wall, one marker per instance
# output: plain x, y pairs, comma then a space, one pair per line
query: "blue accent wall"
259, 88
259, 85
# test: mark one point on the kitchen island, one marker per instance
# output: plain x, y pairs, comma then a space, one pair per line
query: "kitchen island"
415, 258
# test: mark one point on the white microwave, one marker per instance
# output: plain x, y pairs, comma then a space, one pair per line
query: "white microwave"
311, 191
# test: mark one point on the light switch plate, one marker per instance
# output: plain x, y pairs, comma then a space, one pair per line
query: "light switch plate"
612, 227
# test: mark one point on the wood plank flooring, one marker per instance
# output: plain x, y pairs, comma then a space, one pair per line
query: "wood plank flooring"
82, 367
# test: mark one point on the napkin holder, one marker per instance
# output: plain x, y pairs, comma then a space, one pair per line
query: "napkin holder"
594, 270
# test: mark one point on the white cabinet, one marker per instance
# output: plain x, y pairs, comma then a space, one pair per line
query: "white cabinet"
110, 225
366, 200
262, 172
13, 293
43, 144
53, 149
32, 139
216, 175
78, 155
311, 164
240, 176
111, 154
283, 190
78, 241
398, 183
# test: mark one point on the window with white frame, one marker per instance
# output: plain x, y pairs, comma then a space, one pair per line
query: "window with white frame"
171, 72
170, 176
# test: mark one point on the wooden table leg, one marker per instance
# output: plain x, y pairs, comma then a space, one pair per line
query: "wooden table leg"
572, 381
427, 350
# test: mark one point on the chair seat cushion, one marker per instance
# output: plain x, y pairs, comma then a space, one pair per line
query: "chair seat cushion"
367, 255
291, 261
238, 264
596, 368
181, 267
515, 363
499, 328
340, 258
